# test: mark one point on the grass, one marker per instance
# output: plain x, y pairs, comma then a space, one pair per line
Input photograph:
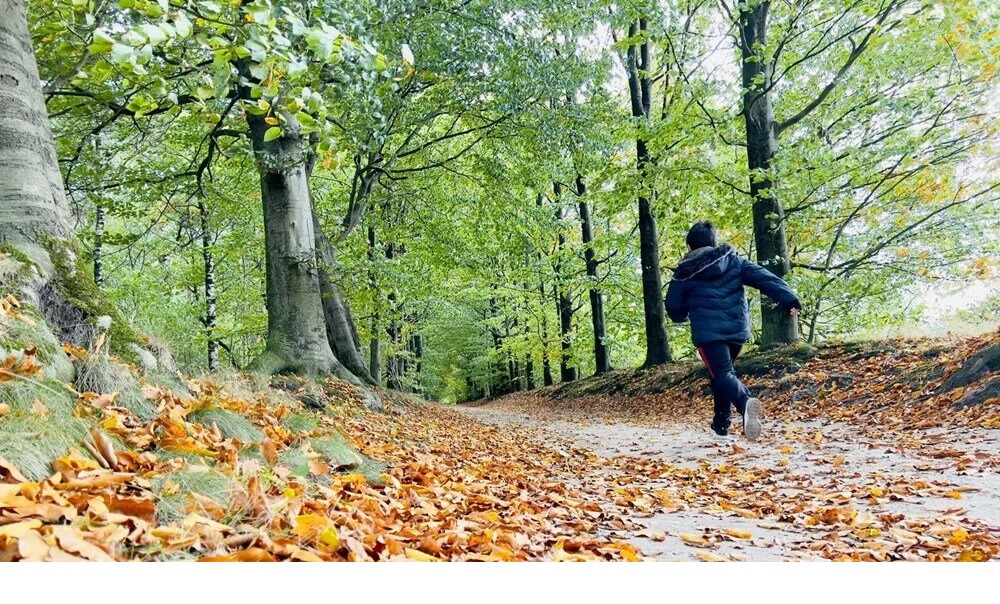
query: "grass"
340, 453
301, 422
170, 381
31, 331
39, 426
230, 424
295, 460
204, 481
97, 372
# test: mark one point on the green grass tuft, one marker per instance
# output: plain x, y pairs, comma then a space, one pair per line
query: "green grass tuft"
340, 453
170, 381
230, 424
206, 482
31, 441
295, 460
301, 422
104, 375
31, 331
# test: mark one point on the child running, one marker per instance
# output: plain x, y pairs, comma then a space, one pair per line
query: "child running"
707, 287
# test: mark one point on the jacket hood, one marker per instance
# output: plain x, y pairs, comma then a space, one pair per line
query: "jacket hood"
705, 262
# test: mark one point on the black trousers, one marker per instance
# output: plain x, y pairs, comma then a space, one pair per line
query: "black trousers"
727, 389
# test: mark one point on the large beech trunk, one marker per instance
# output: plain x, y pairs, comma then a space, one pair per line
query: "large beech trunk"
32, 201
777, 327
601, 358
34, 214
640, 95
296, 329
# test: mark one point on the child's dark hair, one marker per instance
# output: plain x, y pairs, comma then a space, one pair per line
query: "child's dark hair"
702, 234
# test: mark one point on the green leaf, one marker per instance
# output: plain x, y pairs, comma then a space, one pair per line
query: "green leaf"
272, 133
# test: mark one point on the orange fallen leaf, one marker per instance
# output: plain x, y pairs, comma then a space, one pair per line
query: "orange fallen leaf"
419, 556
695, 540
252, 554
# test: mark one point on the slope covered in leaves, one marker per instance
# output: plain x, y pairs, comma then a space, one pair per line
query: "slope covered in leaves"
236, 469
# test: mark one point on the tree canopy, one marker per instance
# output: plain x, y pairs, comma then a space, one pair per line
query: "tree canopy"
482, 173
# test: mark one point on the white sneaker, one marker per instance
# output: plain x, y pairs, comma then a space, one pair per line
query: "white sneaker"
751, 419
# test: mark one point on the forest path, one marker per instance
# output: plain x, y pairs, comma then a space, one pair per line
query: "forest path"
805, 490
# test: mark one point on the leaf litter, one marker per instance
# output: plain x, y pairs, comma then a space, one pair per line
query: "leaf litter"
455, 488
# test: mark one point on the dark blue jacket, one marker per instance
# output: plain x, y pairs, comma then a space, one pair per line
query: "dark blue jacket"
708, 287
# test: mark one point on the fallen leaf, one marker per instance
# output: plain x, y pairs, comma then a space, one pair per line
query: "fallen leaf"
252, 554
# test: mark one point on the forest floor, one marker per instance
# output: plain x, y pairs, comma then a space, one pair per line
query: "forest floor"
865, 457
859, 460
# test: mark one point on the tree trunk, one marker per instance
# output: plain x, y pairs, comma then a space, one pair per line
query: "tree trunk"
35, 218
375, 347
32, 200
296, 329
99, 245
547, 378
395, 331
777, 326
563, 302
340, 328
210, 294
546, 363
603, 362
640, 94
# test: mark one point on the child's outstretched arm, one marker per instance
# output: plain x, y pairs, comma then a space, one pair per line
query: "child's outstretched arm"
773, 286
676, 303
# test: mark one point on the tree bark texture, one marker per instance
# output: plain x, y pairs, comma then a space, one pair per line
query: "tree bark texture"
777, 326
640, 94
601, 357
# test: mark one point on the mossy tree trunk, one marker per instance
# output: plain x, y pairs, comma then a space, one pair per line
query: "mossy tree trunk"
33, 204
35, 219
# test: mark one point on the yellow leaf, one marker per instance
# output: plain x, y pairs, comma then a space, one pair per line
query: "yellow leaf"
958, 536
973, 555
876, 492
419, 556
18, 529
787, 450
32, 547
71, 541
838, 461
738, 534
710, 557
953, 494
694, 539
330, 538
253, 554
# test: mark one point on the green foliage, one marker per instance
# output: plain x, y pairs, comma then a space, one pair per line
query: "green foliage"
439, 134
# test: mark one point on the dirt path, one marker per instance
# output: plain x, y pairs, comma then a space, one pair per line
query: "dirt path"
803, 491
